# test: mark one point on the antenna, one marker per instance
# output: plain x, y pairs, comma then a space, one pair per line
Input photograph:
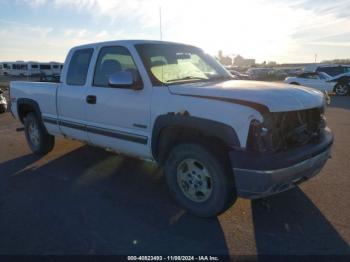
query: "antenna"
160, 23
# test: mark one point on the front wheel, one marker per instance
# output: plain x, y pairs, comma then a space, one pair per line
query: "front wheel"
341, 89
39, 141
199, 180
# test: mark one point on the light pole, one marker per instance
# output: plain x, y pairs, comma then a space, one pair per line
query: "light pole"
160, 23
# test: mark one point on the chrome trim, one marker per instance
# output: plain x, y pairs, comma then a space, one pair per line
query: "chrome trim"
98, 130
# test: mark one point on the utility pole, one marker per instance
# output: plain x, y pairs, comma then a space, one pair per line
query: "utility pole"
315, 58
160, 23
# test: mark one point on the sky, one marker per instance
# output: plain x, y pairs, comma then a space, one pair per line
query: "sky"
286, 31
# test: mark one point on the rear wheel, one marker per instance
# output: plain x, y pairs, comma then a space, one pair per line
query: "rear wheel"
39, 141
341, 89
199, 181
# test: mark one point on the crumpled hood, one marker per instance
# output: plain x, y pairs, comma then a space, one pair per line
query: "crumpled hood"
277, 97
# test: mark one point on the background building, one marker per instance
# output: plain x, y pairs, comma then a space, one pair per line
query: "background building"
243, 62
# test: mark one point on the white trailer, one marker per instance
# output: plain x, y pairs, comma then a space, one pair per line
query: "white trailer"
45, 69
31, 68
56, 68
19, 68
2, 69
5, 68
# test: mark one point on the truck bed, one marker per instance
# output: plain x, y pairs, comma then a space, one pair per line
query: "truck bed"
42, 92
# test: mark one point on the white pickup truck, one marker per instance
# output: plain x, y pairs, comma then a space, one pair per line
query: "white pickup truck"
217, 138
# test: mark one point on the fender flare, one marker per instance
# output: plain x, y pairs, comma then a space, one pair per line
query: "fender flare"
209, 127
32, 103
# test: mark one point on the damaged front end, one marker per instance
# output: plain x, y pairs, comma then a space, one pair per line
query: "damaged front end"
282, 131
286, 149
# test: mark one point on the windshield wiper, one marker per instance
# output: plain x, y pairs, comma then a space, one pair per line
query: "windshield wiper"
186, 78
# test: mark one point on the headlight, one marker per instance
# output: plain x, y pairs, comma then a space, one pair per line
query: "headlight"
258, 137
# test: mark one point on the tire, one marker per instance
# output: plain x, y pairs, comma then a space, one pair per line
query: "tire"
217, 180
341, 89
295, 83
38, 139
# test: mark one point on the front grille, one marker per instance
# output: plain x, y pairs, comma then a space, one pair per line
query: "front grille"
292, 129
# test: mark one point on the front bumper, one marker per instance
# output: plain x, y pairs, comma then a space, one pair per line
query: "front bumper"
259, 175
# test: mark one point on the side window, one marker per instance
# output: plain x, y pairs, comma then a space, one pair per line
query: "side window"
113, 59
78, 67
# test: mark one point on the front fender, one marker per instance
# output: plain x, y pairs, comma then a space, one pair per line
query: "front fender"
209, 127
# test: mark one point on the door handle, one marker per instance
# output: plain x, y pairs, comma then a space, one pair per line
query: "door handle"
91, 99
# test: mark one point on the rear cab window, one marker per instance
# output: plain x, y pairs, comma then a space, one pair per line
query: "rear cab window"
79, 66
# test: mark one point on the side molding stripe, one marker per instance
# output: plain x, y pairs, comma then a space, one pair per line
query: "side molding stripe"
118, 135
72, 125
98, 130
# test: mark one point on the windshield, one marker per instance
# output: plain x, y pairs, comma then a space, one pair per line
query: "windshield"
175, 63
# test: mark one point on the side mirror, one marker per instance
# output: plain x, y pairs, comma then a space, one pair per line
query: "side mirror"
122, 79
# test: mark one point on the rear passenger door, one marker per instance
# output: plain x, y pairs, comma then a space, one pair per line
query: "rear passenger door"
71, 95
119, 117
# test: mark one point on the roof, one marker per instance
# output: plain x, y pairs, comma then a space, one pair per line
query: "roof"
127, 43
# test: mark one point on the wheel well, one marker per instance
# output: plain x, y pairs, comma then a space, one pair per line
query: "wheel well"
171, 136
24, 109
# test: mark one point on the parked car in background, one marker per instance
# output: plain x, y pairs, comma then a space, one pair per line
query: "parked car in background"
321, 81
3, 103
294, 71
277, 74
52, 78
259, 73
342, 86
332, 70
238, 75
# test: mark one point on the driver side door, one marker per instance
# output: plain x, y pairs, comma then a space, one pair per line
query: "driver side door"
119, 118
